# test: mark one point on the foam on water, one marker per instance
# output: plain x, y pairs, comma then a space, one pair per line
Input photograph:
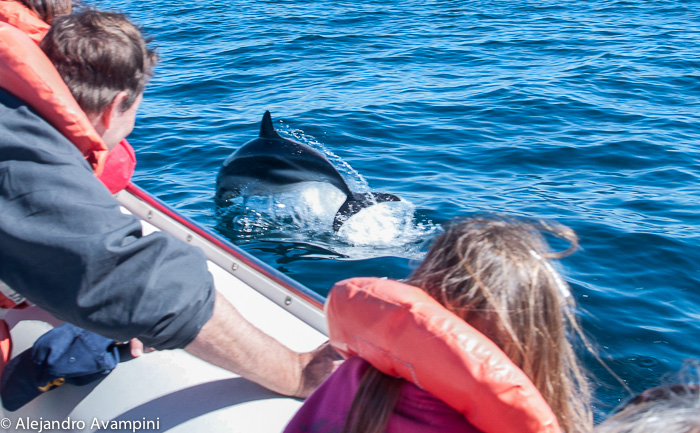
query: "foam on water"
306, 213
382, 224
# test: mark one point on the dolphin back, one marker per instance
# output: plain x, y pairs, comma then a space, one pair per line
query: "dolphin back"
271, 163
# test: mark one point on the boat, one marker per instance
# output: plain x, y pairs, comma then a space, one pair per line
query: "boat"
172, 390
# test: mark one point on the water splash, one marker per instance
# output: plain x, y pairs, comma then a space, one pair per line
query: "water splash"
382, 224
305, 214
385, 229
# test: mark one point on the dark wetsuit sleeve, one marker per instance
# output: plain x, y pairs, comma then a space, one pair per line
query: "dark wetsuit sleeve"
67, 247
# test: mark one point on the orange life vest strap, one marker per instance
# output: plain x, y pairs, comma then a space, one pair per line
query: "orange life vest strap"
20, 16
29, 75
404, 332
119, 167
5, 344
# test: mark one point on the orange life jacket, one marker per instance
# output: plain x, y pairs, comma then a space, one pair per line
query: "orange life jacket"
404, 332
18, 15
119, 166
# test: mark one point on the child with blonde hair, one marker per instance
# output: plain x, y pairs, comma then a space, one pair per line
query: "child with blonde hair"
495, 274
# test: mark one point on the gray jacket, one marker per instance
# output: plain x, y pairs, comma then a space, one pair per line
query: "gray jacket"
66, 246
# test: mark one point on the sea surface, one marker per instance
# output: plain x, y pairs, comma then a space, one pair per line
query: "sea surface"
582, 112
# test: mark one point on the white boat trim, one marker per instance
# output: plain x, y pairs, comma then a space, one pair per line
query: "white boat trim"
283, 291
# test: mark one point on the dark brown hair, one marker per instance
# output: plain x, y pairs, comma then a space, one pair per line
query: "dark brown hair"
47, 10
496, 274
374, 403
99, 54
673, 407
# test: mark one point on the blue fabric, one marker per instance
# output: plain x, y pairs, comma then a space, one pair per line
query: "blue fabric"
68, 353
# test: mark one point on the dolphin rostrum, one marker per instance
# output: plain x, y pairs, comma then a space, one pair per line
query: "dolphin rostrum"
272, 163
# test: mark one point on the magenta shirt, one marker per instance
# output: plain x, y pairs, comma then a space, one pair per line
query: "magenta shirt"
417, 411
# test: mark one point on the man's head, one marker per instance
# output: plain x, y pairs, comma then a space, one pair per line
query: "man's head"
105, 62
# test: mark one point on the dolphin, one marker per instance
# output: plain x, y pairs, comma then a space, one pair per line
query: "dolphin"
272, 163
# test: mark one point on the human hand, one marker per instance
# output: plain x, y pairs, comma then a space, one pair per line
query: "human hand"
137, 349
316, 366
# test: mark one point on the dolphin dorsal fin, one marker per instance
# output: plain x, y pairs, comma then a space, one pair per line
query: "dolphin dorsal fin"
267, 130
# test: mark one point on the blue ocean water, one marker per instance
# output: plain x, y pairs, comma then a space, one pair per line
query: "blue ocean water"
581, 112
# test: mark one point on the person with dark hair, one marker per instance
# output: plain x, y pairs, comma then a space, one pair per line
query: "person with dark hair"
105, 62
494, 275
33, 18
668, 408
66, 246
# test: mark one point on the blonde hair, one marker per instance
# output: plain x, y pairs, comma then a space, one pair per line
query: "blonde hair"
496, 274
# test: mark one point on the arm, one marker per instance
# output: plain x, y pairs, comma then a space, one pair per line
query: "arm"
66, 246
231, 342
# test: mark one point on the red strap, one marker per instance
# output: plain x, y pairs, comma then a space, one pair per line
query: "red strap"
11, 299
6, 303
5, 344
119, 167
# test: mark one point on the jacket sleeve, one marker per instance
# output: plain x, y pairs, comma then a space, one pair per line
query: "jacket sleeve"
67, 247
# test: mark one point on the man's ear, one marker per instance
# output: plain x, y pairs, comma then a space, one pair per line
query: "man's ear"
113, 109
